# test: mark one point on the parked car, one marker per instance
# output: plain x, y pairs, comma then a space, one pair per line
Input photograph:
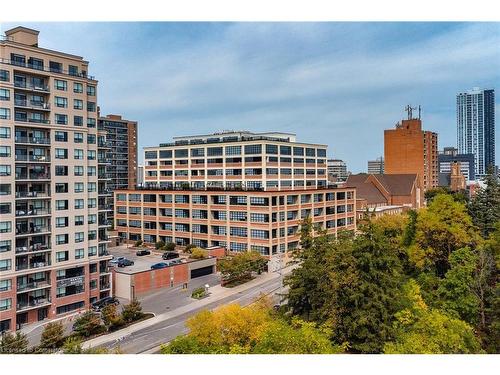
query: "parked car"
174, 261
142, 252
125, 262
170, 255
157, 266
98, 305
115, 261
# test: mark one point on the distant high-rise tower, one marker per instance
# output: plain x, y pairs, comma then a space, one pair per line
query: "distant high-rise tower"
476, 127
376, 166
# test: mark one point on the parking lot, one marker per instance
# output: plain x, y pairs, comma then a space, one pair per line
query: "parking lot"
141, 263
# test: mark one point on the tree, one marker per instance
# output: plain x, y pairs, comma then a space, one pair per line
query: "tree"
52, 336
89, 323
138, 243
110, 317
484, 207
421, 330
350, 284
11, 343
159, 245
132, 311
240, 267
189, 248
442, 227
198, 253
73, 345
170, 246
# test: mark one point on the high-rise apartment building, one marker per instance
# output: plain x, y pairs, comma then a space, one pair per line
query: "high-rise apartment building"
450, 155
337, 170
376, 166
476, 127
240, 190
121, 137
408, 149
53, 246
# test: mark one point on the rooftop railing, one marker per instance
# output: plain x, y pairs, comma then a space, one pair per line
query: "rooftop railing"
45, 69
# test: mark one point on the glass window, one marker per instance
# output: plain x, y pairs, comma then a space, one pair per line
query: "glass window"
4, 114
61, 102
61, 136
61, 153
4, 75
60, 85
77, 87
253, 149
4, 94
77, 104
90, 90
5, 132
61, 119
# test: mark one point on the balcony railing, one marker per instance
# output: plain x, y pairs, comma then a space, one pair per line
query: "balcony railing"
33, 212
32, 120
31, 104
32, 265
35, 158
32, 176
32, 194
34, 230
46, 69
27, 85
104, 286
32, 248
33, 285
33, 140
34, 303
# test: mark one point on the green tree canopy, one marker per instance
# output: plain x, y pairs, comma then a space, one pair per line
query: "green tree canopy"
13, 343
52, 336
484, 207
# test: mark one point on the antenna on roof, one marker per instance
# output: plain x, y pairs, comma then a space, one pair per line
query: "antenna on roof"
419, 111
409, 111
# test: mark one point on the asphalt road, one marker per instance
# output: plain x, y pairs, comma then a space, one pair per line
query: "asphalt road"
149, 339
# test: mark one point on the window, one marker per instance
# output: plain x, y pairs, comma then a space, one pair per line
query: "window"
5, 245
5, 170
92, 203
5, 226
79, 237
5, 151
91, 155
92, 187
257, 233
5, 132
77, 104
5, 304
62, 256
60, 85
61, 204
61, 136
61, 119
61, 239
78, 137
79, 204
90, 90
77, 120
61, 222
5, 285
61, 170
92, 219
91, 106
55, 67
77, 88
214, 151
4, 114
272, 149
4, 75
238, 231
73, 70
78, 154
5, 189
61, 102
79, 253
91, 122
78, 170
238, 247
61, 153
253, 149
91, 139
4, 94
79, 187
285, 150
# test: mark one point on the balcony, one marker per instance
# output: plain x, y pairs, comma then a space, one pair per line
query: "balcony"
32, 104
32, 194
105, 207
32, 212
33, 304
33, 285
33, 158
38, 247
33, 140
31, 87
104, 286
39, 68
32, 176
23, 231
32, 265
32, 120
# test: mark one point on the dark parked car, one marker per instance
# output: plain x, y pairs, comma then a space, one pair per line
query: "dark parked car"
170, 255
140, 253
98, 305
125, 262
157, 266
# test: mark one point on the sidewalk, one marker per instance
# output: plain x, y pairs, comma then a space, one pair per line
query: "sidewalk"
216, 293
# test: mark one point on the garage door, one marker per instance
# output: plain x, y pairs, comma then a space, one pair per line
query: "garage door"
202, 272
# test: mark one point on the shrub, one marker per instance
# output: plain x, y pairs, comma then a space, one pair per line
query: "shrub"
170, 246
88, 324
198, 253
132, 311
52, 336
159, 245
138, 243
111, 318
198, 293
189, 248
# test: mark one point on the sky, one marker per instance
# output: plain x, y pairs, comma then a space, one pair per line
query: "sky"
336, 83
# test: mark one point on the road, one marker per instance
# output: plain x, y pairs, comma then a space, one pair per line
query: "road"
149, 339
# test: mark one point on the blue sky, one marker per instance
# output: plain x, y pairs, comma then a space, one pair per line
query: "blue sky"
336, 83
